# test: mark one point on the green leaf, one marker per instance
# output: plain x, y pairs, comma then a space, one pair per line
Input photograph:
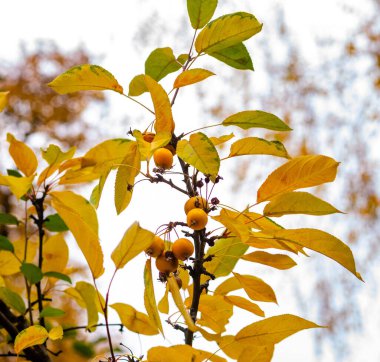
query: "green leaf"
5, 244
8, 219
51, 312
137, 86
160, 63
200, 153
226, 31
200, 12
256, 119
14, 173
55, 223
12, 300
31, 272
53, 274
236, 56
89, 296
54, 155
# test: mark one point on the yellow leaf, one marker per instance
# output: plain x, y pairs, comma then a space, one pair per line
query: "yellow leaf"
74, 295
135, 240
133, 320
278, 261
80, 217
85, 77
260, 240
23, 156
200, 153
257, 146
244, 304
226, 31
227, 286
191, 76
162, 108
9, 264
217, 141
200, 12
3, 100
273, 330
234, 225
298, 203
150, 298
300, 172
163, 304
19, 186
256, 288
55, 254
29, 337
56, 333
89, 296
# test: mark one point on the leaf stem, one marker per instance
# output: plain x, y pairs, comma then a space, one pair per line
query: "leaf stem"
136, 101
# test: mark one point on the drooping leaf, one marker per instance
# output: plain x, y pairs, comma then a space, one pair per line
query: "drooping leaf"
3, 100
5, 244
244, 304
191, 76
300, 172
89, 296
55, 254
134, 320
8, 219
137, 86
51, 312
236, 56
55, 223
135, 240
273, 330
98, 189
226, 31
12, 300
9, 264
31, 272
80, 217
85, 77
257, 146
200, 153
23, 156
56, 333
278, 261
163, 304
216, 141
150, 298
53, 274
200, 12
19, 186
160, 63
29, 337
15, 173
298, 203
256, 119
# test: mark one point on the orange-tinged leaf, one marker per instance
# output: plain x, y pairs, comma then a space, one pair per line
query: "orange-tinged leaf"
298, 203
273, 330
244, 304
134, 320
55, 254
191, 76
19, 186
3, 100
85, 77
162, 108
163, 304
150, 298
234, 225
80, 217
227, 286
89, 296
23, 156
56, 333
278, 261
300, 172
257, 354
29, 337
217, 141
135, 240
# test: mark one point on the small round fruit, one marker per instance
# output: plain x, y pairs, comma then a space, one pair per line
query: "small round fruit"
195, 202
148, 136
197, 219
167, 262
163, 158
157, 247
182, 248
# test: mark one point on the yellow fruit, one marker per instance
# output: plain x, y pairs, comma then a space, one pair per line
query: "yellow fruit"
163, 158
196, 202
197, 219
182, 248
157, 247
167, 262
148, 136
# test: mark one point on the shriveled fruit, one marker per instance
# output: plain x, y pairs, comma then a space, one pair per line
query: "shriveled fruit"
197, 219
167, 262
196, 202
148, 136
182, 248
156, 248
171, 149
163, 158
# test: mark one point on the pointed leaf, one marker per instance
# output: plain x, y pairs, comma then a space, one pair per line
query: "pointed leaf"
85, 77
234, 225
55, 223
216, 141
200, 12
12, 300
3, 100
163, 304
8, 219
191, 76
5, 244
31, 272
257, 354
244, 304
226, 31
89, 297
278, 261
300, 172
53, 274
19, 186
9, 264
256, 288
56, 333
137, 86
261, 240
160, 63
29, 337
51, 312
236, 56
55, 254
23, 156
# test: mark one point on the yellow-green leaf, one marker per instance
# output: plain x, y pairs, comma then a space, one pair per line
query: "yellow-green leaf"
19, 186
257, 146
160, 63
85, 77
256, 119
29, 337
300, 172
12, 299
135, 240
226, 31
273, 330
216, 141
278, 261
80, 217
137, 86
56, 333
200, 12
134, 320
149, 297
298, 203
191, 76
244, 304
23, 156
3, 100
55, 254
89, 296
200, 153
